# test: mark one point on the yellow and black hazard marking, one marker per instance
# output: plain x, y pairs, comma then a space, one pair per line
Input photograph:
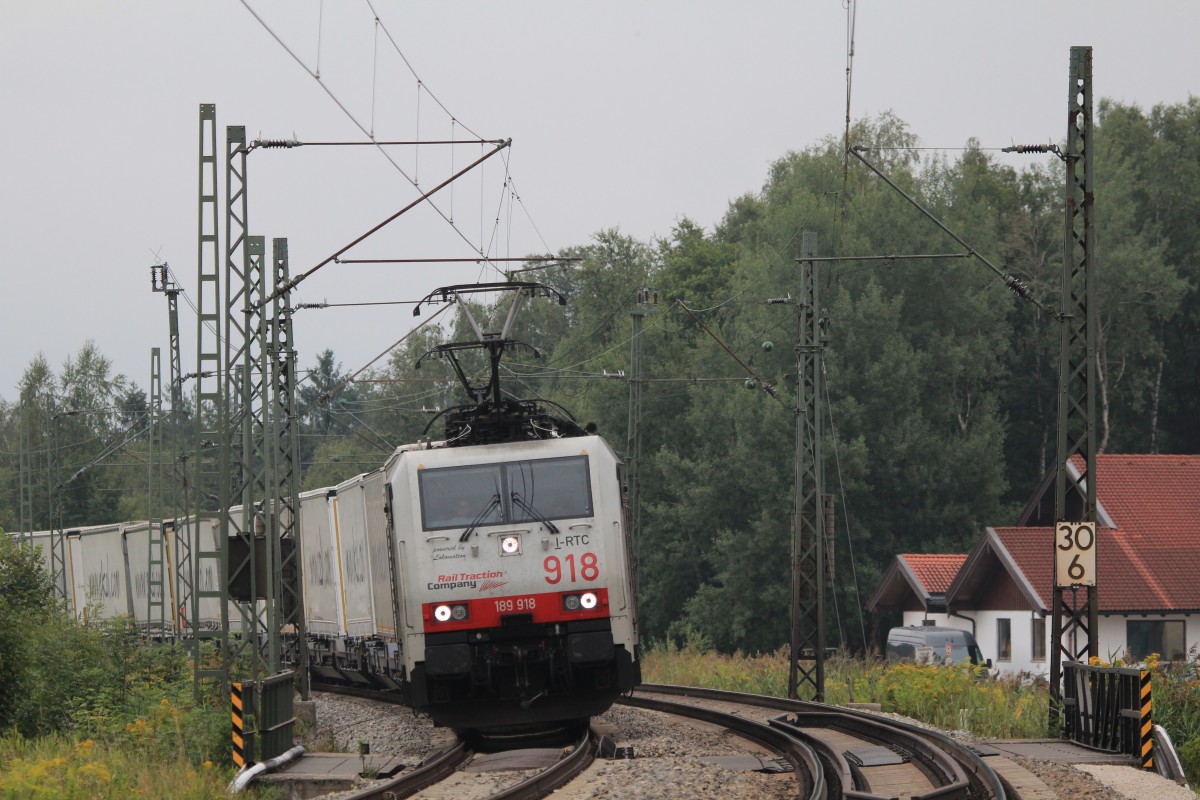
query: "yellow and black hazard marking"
239, 724
1147, 723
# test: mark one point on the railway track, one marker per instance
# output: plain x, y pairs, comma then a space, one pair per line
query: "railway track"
438, 769
803, 758
862, 755
831, 752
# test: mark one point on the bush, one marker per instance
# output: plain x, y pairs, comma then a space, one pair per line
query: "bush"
1189, 756
1175, 693
28, 609
94, 710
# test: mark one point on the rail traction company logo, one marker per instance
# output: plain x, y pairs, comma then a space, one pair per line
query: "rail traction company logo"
482, 581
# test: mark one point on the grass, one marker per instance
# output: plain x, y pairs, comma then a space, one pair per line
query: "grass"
61, 767
945, 697
950, 698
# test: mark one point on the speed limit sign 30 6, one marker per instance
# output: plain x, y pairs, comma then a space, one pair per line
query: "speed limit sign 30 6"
1075, 554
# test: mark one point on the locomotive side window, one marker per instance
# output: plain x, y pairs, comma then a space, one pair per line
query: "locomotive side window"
455, 497
549, 488
497, 494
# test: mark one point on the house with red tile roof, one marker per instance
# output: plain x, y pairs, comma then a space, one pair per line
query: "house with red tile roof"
1147, 570
916, 584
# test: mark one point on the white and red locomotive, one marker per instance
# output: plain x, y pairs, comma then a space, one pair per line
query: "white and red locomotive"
507, 555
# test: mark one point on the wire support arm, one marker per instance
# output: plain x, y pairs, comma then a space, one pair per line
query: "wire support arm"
762, 383
889, 257
291, 284
447, 294
288, 144
476, 260
1011, 281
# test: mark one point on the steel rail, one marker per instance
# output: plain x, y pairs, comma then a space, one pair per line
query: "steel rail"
809, 769
560, 774
437, 767
946, 771
982, 777
543, 783
949, 780
378, 695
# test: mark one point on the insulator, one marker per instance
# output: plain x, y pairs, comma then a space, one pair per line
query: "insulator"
779, 301
278, 143
1018, 287
1030, 148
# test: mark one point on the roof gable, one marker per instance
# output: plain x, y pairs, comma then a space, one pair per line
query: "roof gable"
1017, 552
934, 571
923, 576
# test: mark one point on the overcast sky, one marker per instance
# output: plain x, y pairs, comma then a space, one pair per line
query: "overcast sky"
626, 115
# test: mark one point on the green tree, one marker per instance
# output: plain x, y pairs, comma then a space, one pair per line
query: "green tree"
26, 598
1151, 167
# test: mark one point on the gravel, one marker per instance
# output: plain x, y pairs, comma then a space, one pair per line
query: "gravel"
1137, 784
391, 730
668, 757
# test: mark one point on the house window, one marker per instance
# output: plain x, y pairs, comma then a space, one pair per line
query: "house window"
1038, 627
1004, 639
1165, 637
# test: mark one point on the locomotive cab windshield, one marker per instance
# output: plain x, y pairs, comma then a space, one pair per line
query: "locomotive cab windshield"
482, 495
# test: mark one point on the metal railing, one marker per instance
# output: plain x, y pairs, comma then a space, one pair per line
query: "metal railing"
1108, 708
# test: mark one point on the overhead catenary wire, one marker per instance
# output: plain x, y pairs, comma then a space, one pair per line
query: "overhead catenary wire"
350, 115
385, 446
837, 460
397, 343
851, 21
292, 283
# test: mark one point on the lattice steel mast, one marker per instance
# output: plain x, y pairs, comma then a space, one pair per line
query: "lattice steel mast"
286, 436
1077, 371
58, 536
633, 439
210, 486
156, 589
26, 468
808, 520
162, 281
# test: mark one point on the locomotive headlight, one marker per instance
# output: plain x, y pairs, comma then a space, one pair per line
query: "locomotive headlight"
571, 602
510, 545
588, 600
459, 612
442, 613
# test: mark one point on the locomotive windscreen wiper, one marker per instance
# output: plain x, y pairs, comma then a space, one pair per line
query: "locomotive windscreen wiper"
528, 509
480, 517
